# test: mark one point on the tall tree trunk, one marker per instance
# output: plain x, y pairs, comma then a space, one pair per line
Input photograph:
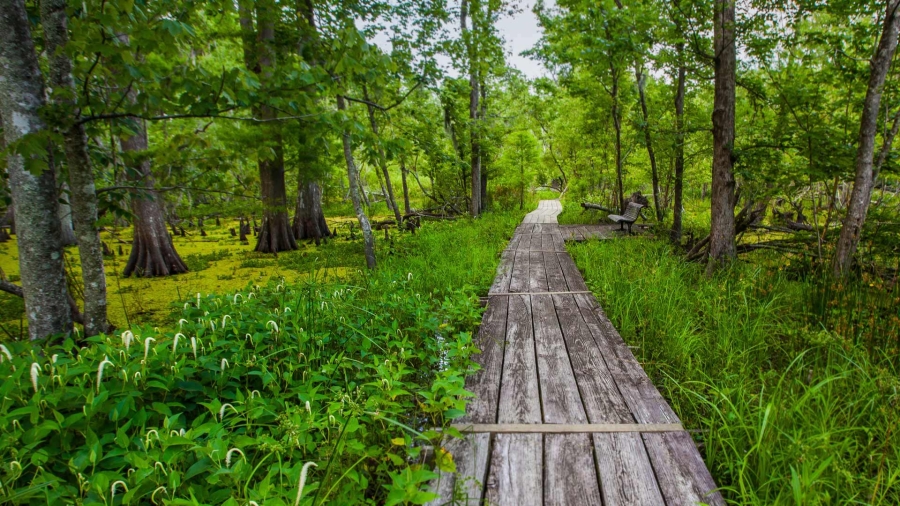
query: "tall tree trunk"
484, 173
276, 233
40, 253
861, 195
678, 205
81, 175
721, 233
617, 125
640, 77
152, 251
474, 130
403, 172
382, 160
66, 232
309, 219
353, 177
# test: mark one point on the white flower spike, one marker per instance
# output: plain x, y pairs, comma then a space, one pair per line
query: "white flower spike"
100, 371
303, 480
35, 372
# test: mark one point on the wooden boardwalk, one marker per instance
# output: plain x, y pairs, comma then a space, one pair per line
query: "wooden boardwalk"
563, 413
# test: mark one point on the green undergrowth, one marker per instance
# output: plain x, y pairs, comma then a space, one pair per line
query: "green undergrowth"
226, 407
790, 409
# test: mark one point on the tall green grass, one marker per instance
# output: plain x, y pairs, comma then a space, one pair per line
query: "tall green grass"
788, 410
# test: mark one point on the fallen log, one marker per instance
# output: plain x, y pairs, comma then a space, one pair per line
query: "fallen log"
597, 207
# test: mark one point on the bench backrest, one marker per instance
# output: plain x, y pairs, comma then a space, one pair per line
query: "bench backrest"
632, 211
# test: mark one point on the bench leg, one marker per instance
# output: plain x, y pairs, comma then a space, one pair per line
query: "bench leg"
629, 229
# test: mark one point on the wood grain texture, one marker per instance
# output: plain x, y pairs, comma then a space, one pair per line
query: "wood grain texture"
519, 280
537, 273
643, 399
504, 272
560, 399
466, 486
515, 476
680, 471
600, 394
569, 474
520, 400
556, 281
626, 476
485, 383
573, 276
564, 428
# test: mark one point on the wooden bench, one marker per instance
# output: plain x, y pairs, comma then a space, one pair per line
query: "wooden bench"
632, 212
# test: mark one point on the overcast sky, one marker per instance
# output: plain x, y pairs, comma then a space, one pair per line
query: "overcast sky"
522, 33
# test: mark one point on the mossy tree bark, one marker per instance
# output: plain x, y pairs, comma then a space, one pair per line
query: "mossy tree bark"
40, 253
82, 192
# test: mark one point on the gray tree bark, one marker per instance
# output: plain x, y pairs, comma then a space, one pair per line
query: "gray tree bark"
861, 195
721, 233
81, 175
66, 232
640, 77
468, 36
353, 177
382, 161
678, 204
40, 253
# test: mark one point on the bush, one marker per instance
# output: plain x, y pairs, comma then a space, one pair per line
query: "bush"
228, 409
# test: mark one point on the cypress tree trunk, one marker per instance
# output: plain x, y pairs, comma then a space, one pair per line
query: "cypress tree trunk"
81, 176
353, 177
37, 223
678, 211
152, 251
861, 195
721, 233
276, 233
309, 220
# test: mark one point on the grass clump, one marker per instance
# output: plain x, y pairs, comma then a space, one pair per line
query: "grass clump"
791, 411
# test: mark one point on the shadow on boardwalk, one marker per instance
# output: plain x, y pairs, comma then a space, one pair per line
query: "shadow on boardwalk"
563, 413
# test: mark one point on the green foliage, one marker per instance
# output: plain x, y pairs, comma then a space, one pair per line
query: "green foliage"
351, 375
227, 409
791, 412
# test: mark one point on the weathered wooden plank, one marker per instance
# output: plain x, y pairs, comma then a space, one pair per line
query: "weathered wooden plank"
504, 272
570, 270
560, 399
515, 471
485, 383
558, 243
626, 476
466, 486
519, 393
569, 474
682, 476
536, 240
514, 242
519, 280
565, 428
525, 243
538, 228
599, 394
556, 281
547, 242
537, 272
643, 399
